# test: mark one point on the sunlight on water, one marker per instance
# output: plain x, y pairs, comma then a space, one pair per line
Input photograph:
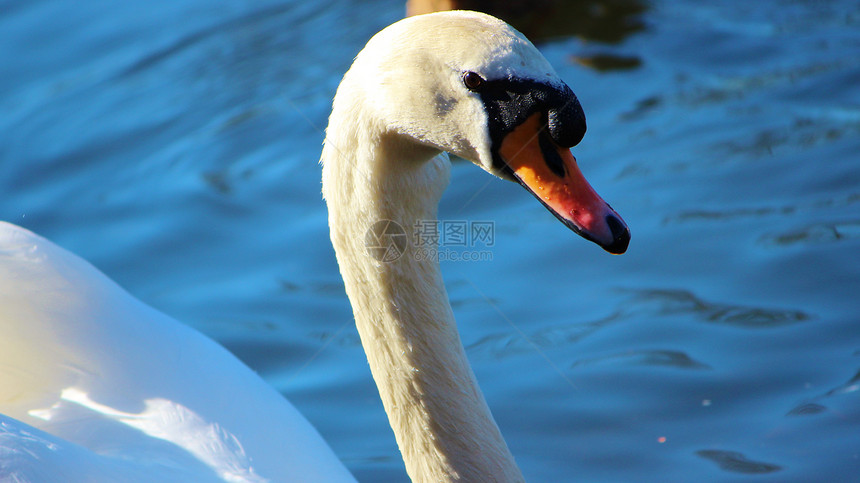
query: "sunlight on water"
175, 145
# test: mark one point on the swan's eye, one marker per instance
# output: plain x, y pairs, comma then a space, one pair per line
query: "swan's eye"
472, 81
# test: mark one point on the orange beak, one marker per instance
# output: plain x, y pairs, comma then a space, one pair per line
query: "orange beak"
550, 173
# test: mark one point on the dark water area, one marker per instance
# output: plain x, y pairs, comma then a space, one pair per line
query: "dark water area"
175, 146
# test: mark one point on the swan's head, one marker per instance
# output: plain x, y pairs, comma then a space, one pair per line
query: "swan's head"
469, 84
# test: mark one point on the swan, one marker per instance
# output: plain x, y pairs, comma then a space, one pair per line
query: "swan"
97, 386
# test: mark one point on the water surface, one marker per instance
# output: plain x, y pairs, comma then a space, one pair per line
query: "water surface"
174, 144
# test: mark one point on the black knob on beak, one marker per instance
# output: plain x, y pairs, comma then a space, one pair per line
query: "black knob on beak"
566, 119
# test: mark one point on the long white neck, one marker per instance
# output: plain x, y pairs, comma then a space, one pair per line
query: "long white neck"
441, 421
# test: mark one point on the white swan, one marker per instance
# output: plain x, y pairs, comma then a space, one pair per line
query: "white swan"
96, 386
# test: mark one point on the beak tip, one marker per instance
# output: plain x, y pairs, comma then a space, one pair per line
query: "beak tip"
620, 235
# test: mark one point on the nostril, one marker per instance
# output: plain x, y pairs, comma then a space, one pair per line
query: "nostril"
620, 234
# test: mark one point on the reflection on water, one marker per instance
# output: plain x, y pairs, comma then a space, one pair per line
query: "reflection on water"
593, 21
607, 62
606, 21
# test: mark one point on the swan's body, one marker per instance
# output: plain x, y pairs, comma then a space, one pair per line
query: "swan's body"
93, 382
122, 389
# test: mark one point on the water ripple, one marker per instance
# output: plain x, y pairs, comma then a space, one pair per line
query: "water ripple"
810, 407
668, 302
807, 409
815, 234
853, 385
736, 87
190, 40
805, 132
671, 358
322, 288
506, 344
735, 462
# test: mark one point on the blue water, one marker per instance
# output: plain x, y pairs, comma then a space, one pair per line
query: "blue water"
174, 144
